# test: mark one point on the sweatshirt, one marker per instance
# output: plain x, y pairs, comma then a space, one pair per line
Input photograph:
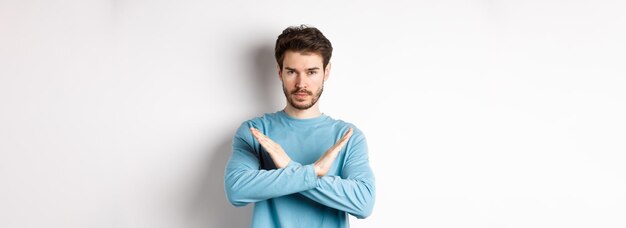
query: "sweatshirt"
294, 196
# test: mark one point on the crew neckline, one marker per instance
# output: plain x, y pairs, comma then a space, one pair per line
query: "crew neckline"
317, 119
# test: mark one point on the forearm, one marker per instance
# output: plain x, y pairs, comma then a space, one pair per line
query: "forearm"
354, 190
246, 182
355, 196
245, 186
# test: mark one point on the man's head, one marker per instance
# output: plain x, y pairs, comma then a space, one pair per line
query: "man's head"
303, 55
305, 39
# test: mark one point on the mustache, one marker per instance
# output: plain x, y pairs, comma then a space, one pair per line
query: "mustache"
302, 91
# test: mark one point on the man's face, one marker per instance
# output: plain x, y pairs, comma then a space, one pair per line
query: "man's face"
303, 78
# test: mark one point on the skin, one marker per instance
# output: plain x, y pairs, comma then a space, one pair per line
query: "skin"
303, 77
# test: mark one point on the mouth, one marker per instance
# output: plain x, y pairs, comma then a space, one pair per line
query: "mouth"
301, 95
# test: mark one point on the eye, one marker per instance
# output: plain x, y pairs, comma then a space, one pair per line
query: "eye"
290, 72
313, 72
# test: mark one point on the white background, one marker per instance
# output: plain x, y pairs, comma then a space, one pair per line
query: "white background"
477, 113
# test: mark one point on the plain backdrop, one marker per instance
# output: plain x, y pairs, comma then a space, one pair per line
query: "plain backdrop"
487, 113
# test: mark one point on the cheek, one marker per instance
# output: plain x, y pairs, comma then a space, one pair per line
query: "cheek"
288, 84
319, 81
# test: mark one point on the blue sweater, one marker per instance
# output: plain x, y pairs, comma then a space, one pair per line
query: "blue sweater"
294, 196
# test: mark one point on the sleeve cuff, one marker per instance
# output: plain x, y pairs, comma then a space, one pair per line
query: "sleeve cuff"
293, 163
310, 178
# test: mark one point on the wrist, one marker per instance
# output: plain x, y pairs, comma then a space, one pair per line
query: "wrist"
284, 164
318, 170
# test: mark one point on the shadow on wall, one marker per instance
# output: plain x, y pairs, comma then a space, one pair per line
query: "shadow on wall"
265, 78
209, 206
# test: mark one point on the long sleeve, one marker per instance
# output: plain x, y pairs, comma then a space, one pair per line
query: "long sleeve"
245, 182
354, 190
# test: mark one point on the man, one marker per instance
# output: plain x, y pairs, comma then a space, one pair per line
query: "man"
299, 166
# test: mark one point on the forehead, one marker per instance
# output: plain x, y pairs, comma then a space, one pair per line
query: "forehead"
302, 60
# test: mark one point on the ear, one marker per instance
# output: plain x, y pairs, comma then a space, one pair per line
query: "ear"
327, 71
280, 75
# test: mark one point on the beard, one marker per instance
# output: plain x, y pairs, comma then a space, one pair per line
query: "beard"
303, 106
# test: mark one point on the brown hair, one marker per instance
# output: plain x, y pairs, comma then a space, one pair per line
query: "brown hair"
302, 38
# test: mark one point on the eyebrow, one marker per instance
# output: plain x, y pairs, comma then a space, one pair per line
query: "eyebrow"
309, 69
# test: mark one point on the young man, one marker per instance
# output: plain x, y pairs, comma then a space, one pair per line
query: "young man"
299, 166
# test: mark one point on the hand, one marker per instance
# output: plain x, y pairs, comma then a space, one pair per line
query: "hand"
278, 155
323, 164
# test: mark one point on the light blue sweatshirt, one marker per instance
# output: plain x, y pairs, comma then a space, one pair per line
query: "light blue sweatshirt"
294, 196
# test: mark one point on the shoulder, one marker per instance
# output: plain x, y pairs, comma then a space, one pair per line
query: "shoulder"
357, 144
259, 122
343, 126
243, 133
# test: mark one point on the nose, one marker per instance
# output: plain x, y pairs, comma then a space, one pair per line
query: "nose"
300, 82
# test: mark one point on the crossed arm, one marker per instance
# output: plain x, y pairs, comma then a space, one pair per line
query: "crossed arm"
352, 192
281, 159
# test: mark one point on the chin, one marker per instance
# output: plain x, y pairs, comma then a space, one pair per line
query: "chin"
298, 101
301, 105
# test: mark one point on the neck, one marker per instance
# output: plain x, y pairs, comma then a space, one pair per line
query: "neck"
312, 112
